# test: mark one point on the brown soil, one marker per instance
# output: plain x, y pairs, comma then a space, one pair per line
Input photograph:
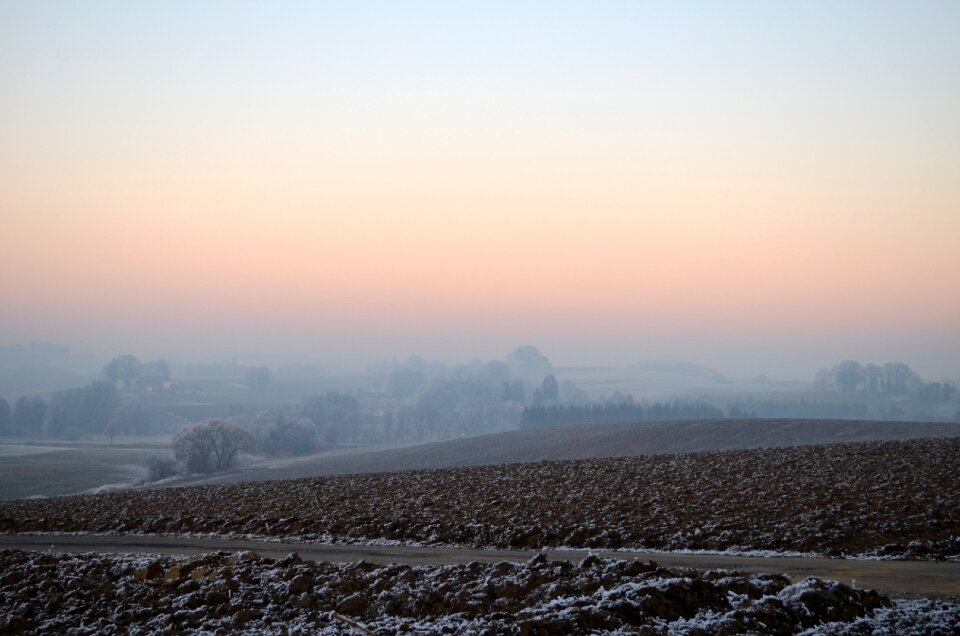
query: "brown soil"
220, 593
885, 498
594, 441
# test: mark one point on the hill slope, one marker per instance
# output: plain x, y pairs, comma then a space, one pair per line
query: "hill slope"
898, 498
588, 441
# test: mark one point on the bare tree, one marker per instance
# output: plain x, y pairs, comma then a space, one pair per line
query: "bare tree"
209, 446
228, 440
6, 417
125, 369
258, 378
192, 447
281, 434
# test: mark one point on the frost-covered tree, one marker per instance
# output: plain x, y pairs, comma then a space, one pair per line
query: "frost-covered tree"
280, 434
548, 393
153, 374
28, 415
513, 392
75, 412
258, 378
125, 369
209, 446
129, 419
405, 381
528, 362
6, 417
894, 379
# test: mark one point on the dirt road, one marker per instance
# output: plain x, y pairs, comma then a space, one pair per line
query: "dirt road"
896, 578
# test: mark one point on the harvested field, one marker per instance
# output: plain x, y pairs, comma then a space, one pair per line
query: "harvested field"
897, 499
589, 441
63, 471
243, 592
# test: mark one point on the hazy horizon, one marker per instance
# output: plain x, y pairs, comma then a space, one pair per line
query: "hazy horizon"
91, 359
760, 188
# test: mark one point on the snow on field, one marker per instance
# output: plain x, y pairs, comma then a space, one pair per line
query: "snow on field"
249, 594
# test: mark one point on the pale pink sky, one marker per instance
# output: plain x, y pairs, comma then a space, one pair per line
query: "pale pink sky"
758, 188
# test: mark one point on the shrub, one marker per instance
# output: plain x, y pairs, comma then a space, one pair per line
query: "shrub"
161, 467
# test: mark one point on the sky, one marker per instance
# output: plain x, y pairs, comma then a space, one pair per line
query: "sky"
764, 187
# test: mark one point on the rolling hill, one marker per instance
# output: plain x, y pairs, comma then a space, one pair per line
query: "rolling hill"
588, 441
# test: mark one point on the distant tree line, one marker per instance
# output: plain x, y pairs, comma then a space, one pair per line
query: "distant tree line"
422, 401
894, 379
624, 410
73, 413
413, 407
444, 410
127, 371
417, 402
25, 417
76, 412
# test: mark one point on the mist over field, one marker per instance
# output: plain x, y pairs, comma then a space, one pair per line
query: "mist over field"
69, 423
485, 284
